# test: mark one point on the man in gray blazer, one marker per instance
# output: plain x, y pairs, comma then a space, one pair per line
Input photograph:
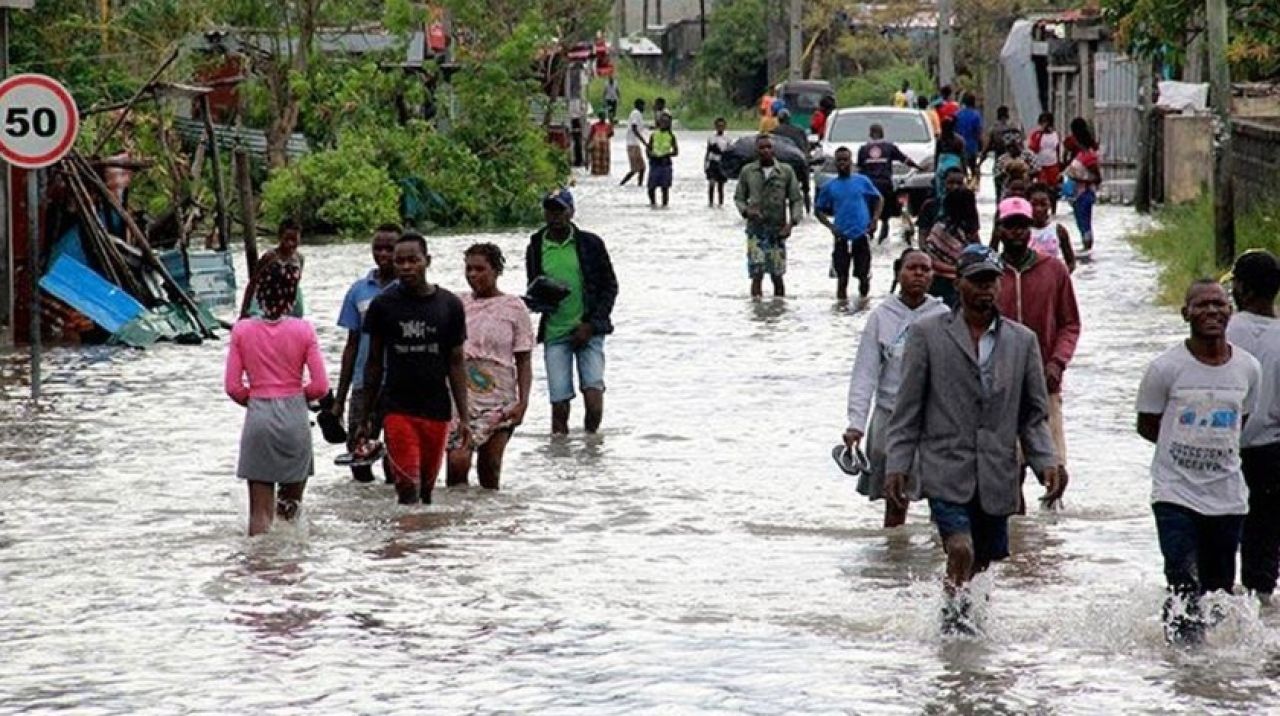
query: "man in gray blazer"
972, 388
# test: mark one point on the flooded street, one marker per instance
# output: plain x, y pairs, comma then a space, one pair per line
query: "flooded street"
704, 555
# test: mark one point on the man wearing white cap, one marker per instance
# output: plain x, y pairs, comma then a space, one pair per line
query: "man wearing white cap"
1037, 292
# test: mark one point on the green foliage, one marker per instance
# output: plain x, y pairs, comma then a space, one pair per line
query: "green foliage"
343, 190
878, 86
492, 168
635, 83
1182, 243
338, 94
517, 165
1163, 29
695, 105
734, 52
98, 61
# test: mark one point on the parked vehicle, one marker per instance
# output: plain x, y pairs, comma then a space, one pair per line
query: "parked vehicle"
908, 128
802, 97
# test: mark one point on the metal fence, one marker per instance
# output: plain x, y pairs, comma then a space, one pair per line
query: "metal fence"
1117, 121
1255, 167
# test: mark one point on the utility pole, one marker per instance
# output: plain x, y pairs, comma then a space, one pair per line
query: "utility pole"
1224, 225
797, 39
702, 20
644, 18
946, 45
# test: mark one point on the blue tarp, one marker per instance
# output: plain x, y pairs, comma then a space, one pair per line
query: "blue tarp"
80, 287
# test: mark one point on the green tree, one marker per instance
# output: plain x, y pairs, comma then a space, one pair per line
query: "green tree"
1164, 29
280, 38
734, 52
99, 57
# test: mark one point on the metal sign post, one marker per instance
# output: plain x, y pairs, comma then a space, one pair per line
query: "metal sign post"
39, 122
33, 269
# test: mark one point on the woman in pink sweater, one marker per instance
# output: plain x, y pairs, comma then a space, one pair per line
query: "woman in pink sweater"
265, 374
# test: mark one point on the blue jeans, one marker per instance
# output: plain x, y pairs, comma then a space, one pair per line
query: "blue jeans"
560, 357
1083, 210
990, 533
1199, 557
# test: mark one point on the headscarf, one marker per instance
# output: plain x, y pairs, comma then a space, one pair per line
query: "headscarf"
278, 288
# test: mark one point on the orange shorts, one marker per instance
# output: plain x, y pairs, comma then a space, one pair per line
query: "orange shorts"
415, 449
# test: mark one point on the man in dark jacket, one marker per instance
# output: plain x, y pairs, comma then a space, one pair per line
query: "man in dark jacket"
574, 329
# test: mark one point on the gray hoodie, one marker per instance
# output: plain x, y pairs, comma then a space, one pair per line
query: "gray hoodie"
877, 369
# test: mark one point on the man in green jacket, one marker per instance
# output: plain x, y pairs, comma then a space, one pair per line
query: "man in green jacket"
766, 188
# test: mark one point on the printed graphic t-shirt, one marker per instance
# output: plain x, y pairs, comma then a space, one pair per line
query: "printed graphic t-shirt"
1197, 458
876, 158
418, 334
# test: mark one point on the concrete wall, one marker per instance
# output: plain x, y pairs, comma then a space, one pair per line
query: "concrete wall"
672, 11
1188, 156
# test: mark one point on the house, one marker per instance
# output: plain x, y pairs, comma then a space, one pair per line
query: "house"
1067, 64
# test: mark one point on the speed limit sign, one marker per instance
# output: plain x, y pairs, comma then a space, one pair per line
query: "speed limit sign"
38, 121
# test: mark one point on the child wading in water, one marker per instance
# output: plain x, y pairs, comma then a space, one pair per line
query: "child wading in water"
717, 145
1048, 238
662, 148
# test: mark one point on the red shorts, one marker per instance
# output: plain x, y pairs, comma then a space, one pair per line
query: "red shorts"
415, 447
1049, 175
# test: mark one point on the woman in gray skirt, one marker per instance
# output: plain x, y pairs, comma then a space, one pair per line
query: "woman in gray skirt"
877, 371
265, 373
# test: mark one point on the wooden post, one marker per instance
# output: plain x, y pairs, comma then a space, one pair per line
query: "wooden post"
248, 216
1224, 226
1146, 150
175, 291
219, 192
124, 113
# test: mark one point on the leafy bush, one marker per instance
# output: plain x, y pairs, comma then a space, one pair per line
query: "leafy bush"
516, 164
342, 190
490, 169
878, 86
734, 52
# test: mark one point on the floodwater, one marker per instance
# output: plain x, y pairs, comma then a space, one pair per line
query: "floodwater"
702, 556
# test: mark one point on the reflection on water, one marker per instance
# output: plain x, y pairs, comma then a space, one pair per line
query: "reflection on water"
701, 555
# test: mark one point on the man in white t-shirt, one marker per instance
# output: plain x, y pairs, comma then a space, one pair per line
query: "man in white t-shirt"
635, 144
1255, 281
1193, 403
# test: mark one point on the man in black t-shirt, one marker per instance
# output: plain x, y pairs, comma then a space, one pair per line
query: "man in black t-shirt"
416, 333
875, 162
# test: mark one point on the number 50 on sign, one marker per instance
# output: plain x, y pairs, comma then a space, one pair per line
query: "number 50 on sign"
38, 121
